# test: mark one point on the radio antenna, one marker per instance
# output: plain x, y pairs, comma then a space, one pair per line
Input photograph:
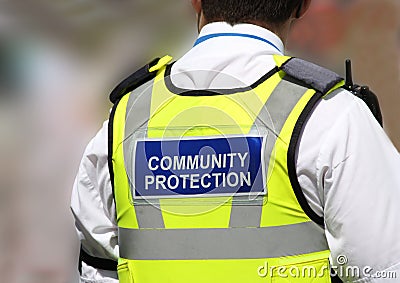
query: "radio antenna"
349, 74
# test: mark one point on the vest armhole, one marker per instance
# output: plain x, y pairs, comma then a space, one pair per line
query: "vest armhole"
291, 159
110, 148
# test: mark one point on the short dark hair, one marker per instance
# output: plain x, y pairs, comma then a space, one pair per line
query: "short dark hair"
272, 12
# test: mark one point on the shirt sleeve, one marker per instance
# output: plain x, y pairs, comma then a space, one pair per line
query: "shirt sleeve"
93, 207
358, 190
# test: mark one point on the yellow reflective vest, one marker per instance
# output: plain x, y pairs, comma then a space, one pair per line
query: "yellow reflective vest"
205, 182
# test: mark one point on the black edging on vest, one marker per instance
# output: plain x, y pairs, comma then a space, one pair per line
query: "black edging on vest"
291, 159
212, 92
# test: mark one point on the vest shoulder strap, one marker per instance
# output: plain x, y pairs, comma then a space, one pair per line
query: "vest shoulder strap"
323, 81
138, 78
317, 77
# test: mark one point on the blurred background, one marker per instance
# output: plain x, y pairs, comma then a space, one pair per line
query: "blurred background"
60, 59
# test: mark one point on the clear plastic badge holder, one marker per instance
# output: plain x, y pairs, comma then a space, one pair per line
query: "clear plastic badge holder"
220, 166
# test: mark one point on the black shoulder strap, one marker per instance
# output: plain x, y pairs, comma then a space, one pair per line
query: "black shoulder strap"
98, 263
135, 80
315, 76
322, 80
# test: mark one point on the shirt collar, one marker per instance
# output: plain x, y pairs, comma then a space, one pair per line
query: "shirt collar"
249, 29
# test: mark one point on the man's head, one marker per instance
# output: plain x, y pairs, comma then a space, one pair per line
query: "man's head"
272, 14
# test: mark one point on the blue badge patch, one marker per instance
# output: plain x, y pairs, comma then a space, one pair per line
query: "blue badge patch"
211, 167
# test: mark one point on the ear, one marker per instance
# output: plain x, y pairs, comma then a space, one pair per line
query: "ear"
302, 9
197, 6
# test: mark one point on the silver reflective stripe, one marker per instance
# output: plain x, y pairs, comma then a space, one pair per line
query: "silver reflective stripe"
280, 104
149, 215
273, 115
231, 243
137, 117
246, 212
138, 108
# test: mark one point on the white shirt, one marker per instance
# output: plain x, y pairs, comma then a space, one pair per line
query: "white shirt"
346, 165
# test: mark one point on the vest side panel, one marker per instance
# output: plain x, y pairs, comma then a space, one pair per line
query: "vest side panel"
126, 216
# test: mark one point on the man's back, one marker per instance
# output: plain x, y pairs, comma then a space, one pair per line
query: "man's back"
340, 139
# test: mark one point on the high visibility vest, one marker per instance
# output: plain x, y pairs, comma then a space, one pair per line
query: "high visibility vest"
205, 181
